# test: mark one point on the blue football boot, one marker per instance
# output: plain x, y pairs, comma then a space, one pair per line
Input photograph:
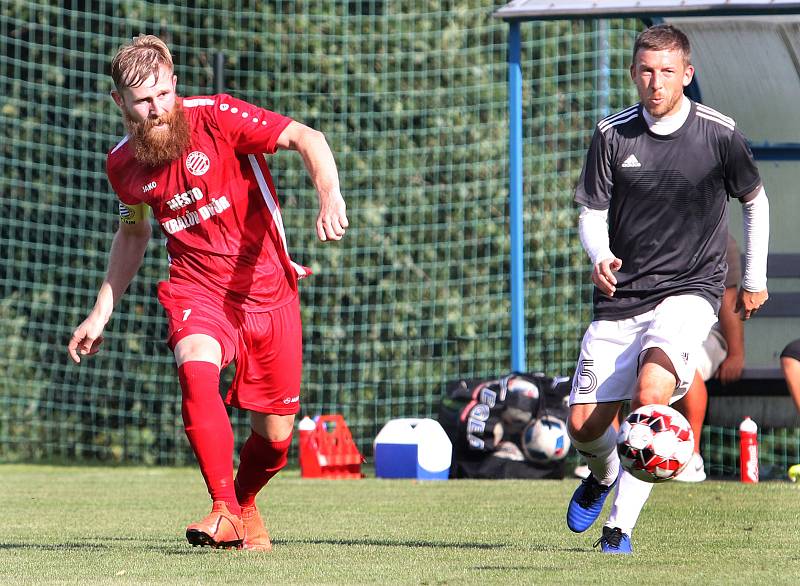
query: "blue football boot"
586, 504
614, 541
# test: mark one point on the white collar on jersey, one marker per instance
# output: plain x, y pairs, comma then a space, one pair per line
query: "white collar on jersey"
668, 124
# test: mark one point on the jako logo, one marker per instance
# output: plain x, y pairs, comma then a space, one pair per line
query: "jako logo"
149, 187
197, 163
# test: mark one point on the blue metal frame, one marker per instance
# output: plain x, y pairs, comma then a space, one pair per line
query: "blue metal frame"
776, 152
515, 198
763, 152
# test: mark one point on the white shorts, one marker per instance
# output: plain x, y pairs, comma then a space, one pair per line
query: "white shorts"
712, 353
608, 367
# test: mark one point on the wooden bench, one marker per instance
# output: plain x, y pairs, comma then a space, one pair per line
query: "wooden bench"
782, 304
728, 403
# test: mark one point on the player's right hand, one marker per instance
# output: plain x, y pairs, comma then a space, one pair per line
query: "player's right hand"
603, 275
86, 340
730, 370
748, 302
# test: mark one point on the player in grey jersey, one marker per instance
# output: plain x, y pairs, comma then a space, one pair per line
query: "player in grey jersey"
654, 221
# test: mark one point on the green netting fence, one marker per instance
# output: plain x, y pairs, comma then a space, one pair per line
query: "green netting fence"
412, 97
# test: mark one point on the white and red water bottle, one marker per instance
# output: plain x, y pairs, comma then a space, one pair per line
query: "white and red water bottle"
306, 428
748, 451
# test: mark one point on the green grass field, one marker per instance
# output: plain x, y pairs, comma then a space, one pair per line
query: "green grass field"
125, 525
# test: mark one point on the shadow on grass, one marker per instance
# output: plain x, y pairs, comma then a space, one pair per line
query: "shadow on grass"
68, 546
170, 546
392, 543
515, 568
98, 543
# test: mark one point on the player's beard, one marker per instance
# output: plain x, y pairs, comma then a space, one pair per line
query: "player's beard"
154, 147
666, 107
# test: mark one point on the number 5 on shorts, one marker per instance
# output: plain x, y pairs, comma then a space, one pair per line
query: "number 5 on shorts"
586, 379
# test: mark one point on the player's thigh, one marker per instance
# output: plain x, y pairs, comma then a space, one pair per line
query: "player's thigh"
607, 366
657, 379
269, 362
200, 327
678, 328
712, 353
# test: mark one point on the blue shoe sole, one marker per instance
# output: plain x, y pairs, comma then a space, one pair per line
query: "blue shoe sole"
613, 551
579, 519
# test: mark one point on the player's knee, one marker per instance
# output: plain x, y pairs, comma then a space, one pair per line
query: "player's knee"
792, 350
583, 428
272, 427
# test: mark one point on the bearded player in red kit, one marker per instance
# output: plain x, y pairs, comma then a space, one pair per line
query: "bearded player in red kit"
198, 163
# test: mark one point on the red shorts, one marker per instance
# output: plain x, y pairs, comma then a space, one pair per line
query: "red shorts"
267, 347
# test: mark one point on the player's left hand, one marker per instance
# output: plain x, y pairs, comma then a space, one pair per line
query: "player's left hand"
748, 302
332, 219
86, 339
731, 369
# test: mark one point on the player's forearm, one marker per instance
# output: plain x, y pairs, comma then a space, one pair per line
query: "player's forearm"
593, 231
755, 213
731, 325
319, 162
124, 260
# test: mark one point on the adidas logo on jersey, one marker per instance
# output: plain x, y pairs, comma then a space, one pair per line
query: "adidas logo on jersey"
630, 162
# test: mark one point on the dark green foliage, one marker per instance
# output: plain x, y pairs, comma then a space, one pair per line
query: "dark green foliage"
412, 98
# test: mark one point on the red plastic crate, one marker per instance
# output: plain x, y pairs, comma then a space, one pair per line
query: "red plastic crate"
328, 451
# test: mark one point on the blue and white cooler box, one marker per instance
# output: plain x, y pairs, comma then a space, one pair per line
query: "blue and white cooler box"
413, 448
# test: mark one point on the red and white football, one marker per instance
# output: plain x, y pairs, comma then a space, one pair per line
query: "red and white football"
655, 443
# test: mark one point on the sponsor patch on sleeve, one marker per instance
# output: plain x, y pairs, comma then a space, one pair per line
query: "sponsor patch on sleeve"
132, 214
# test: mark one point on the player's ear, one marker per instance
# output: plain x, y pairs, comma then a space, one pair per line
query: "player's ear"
115, 95
688, 74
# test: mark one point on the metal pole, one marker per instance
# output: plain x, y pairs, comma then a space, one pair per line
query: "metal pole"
603, 69
515, 198
219, 73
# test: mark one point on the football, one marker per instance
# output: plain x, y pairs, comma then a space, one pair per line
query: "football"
522, 401
655, 443
545, 439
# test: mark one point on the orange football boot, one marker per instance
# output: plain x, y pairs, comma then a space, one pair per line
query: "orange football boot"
256, 536
220, 528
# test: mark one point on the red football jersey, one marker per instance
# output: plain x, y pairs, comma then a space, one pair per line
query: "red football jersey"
216, 204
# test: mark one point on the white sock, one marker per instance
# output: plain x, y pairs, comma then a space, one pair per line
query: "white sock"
631, 496
601, 456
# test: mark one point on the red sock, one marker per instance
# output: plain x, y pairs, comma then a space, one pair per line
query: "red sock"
209, 429
259, 460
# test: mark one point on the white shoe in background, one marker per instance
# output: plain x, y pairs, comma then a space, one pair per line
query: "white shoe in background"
582, 471
694, 471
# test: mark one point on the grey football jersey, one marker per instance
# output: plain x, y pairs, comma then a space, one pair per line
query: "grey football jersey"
667, 199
